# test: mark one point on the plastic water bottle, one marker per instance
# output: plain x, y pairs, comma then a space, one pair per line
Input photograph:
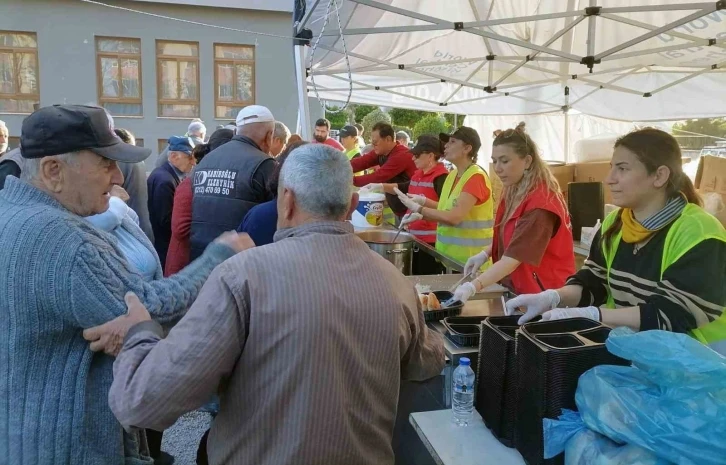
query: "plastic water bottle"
463, 398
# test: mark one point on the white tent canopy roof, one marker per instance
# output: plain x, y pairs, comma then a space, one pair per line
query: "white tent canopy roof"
651, 59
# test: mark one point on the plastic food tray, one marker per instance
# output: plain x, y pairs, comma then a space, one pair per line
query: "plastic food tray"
453, 310
551, 356
464, 330
496, 396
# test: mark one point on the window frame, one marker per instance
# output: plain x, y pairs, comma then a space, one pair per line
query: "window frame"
99, 76
177, 58
35, 98
217, 61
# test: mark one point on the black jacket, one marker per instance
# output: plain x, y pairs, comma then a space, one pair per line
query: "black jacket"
135, 185
227, 183
162, 184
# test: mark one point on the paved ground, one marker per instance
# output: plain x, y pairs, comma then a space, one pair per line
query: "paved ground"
182, 439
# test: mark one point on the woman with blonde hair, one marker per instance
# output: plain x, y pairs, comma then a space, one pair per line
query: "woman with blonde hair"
532, 248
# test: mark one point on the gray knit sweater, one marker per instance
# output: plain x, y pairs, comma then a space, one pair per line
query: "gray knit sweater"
59, 275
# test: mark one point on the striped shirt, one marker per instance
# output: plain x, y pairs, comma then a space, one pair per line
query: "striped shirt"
307, 338
689, 294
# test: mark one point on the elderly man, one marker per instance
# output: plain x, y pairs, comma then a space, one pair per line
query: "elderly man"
307, 338
162, 184
61, 275
233, 178
10, 162
403, 138
196, 130
280, 139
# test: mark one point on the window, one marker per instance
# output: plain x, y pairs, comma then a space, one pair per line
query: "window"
162, 144
19, 88
178, 78
234, 79
118, 65
13, 143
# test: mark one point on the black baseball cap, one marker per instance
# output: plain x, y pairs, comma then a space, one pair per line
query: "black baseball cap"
428, 143
348, 131
465, 134
62, 129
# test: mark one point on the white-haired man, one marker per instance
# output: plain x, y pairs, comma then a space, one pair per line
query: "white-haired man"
4, 136
307, 338
232, 179
279, 139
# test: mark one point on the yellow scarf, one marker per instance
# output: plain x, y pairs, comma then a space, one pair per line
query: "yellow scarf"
633, 232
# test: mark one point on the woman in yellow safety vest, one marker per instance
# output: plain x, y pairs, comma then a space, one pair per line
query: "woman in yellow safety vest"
465, 210
659, 262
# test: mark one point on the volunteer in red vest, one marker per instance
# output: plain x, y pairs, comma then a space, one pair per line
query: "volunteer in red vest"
532, 249
428, 180
658, 262
394, 162
465, 211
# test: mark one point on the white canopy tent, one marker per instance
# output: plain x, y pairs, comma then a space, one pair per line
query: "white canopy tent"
627, 60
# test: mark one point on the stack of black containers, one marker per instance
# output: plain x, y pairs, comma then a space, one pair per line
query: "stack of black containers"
529, 373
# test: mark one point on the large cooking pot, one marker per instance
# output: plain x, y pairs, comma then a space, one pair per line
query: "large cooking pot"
399, 253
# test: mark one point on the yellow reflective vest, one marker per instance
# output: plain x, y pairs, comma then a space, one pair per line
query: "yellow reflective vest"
476, 230
691, 228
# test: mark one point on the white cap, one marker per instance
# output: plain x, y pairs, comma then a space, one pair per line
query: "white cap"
196, 127
254, 114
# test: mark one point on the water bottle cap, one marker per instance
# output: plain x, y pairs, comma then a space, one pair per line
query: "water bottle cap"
464, 361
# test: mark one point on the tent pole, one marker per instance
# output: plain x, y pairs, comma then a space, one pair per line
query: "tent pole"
302, 92
567, 137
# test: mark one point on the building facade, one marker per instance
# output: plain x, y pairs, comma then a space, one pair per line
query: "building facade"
153, 73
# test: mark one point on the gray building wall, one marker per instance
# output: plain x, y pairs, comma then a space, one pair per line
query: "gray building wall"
66, 31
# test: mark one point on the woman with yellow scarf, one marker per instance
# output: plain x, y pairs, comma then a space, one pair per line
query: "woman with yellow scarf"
659, 262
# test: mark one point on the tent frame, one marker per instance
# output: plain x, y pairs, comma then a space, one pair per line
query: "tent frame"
595, 59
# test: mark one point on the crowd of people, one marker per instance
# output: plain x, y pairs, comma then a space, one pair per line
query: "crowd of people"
231, 277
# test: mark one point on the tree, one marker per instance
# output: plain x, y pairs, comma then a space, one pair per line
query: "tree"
459, 120
376, 116
708, 126
337, 119
408, 118
361, 111
433, 124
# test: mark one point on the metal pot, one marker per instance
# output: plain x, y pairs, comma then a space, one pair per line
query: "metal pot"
399, 253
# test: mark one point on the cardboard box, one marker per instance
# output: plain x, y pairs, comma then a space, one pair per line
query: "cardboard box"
711, 175
564, 174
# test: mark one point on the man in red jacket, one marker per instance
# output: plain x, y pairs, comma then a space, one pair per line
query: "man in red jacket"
394, 161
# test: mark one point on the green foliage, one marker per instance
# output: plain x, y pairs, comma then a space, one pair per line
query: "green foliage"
459, 119
707, 126
362, 110
432, 124
376, 116
337, 119
408, 118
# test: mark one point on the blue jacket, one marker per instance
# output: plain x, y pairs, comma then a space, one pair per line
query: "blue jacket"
60, 275
162, 184
261, 223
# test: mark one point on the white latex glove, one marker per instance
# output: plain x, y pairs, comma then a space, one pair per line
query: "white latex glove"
375, 188
476, 262
411, 204
534, 304
464, 292
592, 313
418, 198
410, 218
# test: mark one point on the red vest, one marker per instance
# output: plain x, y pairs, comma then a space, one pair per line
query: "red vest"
558, 262
423, 184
